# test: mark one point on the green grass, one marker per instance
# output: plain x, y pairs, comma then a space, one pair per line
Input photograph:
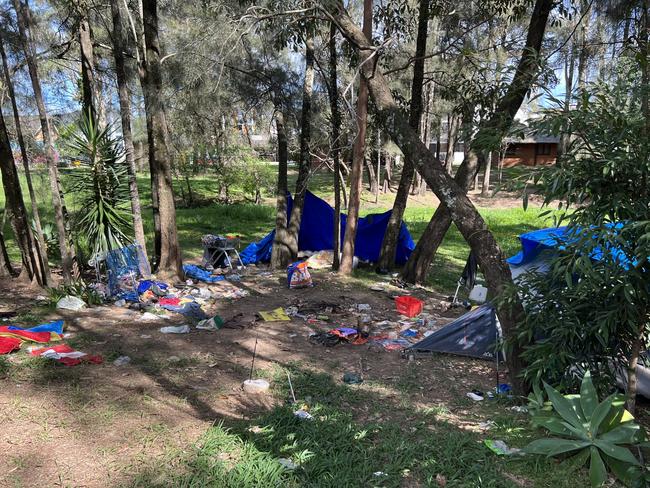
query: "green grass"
254, 221
409, 447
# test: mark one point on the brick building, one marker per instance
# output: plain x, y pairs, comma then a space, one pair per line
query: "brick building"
530, 151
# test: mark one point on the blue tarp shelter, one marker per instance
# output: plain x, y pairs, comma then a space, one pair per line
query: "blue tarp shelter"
316, 234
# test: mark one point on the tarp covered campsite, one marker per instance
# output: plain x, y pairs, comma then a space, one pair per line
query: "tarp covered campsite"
316, 234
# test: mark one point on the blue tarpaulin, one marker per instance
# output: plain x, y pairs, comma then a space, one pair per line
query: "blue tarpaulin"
316, 231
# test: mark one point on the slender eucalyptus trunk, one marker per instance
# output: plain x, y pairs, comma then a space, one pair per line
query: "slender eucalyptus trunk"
389, 243
358, 157
336, 144
569, 66
453, 124
485, 191
304, 167
170, 264
119, 45
281, 252
493, 128
29, 249
88, 82
28, 174
23, 17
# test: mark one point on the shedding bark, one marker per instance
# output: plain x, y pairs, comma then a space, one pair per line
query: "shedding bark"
358, 157
29, 249
25, 159
336, 144
170, 265
470, 223
23, 17
281, 253
494, 128
391, 236
304, 167
119, 45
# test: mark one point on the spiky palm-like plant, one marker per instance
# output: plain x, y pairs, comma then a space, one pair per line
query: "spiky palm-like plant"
102, 188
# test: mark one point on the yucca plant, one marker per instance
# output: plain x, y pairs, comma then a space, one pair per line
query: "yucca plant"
601, 432
102, 188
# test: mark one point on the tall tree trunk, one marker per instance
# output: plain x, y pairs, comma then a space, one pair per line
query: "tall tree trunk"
25, 159
372, 175
29, 248
453, 124
387, 173
358, 157
281, 253
6, 270
569, 66
170, 265
493, 128
23, 17
88, 83
389, 243
119, 45
485, 191
583, 56
336, 144
470, 223
304, 167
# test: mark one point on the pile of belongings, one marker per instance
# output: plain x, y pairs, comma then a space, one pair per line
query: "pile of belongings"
298, 275
201, 274
158, 293
12, 338
340, 334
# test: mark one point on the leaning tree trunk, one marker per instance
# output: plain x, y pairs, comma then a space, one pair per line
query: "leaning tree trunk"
336, 143
25, 159
29, 248
170, 265
23, 16
281, 253
6, 270
391, 236
470, 223
88, 82
125, 116
304, 167
358, 157
494, 129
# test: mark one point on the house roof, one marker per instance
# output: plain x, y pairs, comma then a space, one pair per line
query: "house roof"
533, 139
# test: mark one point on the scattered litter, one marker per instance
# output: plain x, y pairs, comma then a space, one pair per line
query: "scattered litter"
205, 293
363, 307
287, 463
519, 409
500, 448
321, 260
277, 315
148, 316
200, 273
122, 361
256, 429
409, 306
70, 303
390, 343
234, 278
352, 378
291, 311
441, 480
303, 415
474, 396
120, 303
173, 359
214, 323
487, 425
145, 336
256, 386
377, 288
298, 276
379, 474
64, 354
180, 329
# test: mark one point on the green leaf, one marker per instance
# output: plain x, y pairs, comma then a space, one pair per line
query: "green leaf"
563, 407
599, 414
552, 423
617, 452
597, 470
552, 447
588, 396
625, 472
623, 434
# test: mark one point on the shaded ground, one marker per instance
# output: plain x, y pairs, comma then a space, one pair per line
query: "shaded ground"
139, 424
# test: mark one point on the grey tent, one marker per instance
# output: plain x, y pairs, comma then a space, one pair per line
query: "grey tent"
476, 334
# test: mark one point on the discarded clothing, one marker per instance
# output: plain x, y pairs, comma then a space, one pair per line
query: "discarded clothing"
145, 285
298, 276
391, 344
64, 354
340, 334
26, 335
173, 301
188, 309
55, 327
9, 344
198, 273
277, 315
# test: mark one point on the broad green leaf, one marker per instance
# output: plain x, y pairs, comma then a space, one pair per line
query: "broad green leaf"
563, 407
599, 415
625, 472
552, 447
553, 424
588, 396
617, 452
623, 434
597, 470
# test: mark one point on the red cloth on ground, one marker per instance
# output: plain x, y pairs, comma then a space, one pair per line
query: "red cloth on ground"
173, 301
63, 350
9, 344
42, 337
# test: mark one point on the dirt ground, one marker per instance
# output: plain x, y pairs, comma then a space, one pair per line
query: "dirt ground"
97, 425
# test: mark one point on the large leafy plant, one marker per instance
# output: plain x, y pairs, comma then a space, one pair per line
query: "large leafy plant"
101, 186
602, 433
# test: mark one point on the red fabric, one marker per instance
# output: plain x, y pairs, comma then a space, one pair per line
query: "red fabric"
9, 344
64, 348
173, 301
42, 337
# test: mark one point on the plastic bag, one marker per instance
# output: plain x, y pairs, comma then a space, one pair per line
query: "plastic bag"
298, 276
